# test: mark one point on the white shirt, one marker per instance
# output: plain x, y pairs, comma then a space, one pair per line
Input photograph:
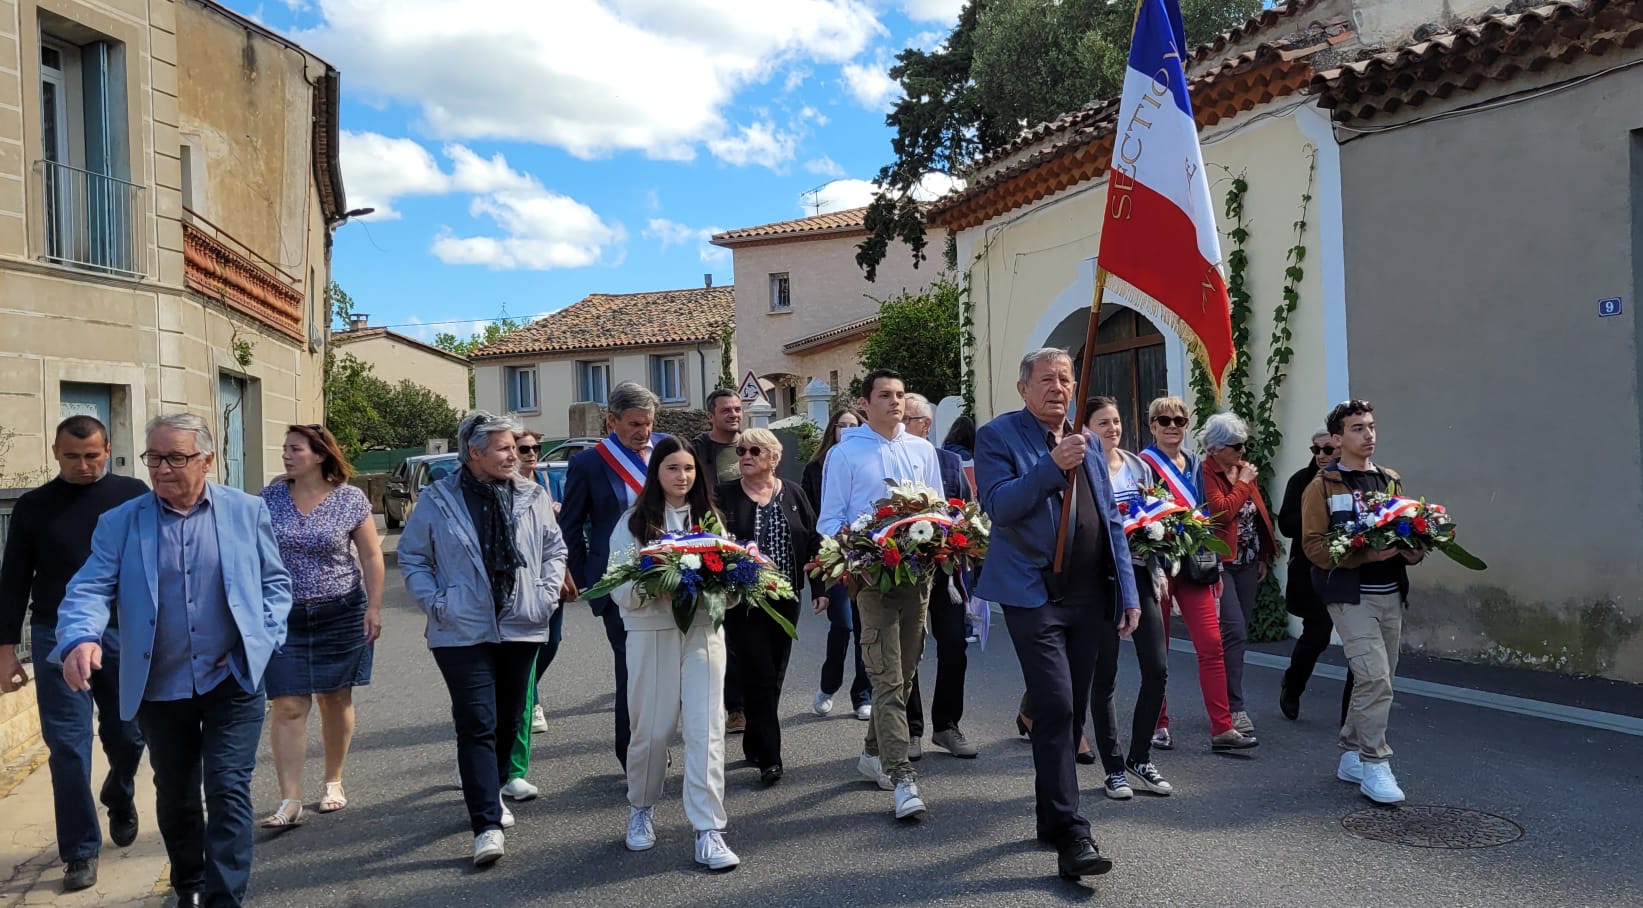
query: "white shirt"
854, 474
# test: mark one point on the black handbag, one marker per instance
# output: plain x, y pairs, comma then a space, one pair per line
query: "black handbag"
1203, 568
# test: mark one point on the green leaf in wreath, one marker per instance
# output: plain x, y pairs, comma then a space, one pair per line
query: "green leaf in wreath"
1215, 545
1462, 557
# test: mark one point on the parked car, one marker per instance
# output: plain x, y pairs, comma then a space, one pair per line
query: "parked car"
554, 475
567, 449
408, 481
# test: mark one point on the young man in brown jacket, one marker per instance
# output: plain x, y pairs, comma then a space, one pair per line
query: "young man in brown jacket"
1364, 593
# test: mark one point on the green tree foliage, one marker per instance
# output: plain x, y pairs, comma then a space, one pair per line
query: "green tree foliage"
364, 411
493, 332
727, 349
1007, 64
918, 336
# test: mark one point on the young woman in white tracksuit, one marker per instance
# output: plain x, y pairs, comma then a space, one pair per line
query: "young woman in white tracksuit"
673, 676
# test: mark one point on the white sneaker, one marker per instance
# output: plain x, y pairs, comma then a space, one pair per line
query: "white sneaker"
487, 847
821, 704
520, 790
864, 711
507, 817
1379, 785
873, 771
1351, 768
539, 721
909, 806
712, 851
641, 831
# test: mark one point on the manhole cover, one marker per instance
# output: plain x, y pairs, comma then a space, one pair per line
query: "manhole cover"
1432, 827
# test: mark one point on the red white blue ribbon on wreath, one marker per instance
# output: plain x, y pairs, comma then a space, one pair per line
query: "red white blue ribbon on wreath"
941, 520
1392, 509
1150, 510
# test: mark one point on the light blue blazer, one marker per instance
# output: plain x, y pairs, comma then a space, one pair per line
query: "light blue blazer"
123, 573
1020, 488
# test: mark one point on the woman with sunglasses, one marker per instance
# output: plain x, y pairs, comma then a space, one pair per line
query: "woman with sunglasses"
1301, 599
844, 623
1243, 524
1178, 468
776, 515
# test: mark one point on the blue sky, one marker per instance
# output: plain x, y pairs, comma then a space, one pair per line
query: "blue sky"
528, 152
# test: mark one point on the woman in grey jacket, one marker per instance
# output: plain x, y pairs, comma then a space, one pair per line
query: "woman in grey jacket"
483, 556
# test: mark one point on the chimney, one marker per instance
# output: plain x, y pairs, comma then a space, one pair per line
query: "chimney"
358, 320
707, 280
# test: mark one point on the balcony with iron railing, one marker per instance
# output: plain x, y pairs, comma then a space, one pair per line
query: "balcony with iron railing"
218, 266
89, 220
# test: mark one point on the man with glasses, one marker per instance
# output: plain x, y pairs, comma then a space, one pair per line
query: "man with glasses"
1300, 599
946, 619
193, 574
50, 538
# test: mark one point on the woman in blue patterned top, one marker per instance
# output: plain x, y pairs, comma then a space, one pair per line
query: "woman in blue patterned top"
328, 541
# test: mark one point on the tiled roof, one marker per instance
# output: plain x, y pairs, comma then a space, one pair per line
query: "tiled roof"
832, 335
609, 321
358, 334
1497, 47
850, 221
1078, 147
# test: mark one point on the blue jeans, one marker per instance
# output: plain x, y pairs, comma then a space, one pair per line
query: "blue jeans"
65, 724
844, 625
207, 741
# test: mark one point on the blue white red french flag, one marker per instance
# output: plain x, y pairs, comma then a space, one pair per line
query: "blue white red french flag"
1159, 246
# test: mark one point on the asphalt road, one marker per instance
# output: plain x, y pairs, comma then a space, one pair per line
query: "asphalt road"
1259, 830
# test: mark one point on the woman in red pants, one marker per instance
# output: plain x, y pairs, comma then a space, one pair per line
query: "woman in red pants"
1179, 469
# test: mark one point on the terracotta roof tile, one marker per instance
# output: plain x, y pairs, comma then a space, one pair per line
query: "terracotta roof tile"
608, 321
1494, 47
848, 221
832, 335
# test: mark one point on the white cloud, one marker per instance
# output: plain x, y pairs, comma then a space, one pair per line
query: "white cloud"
870, 83
763, 143
928, 41
378, 169
542, 230
592, 77
672, 233
932, 10
824, 166
842, 195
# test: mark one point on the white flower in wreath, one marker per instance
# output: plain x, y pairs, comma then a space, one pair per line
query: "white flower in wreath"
690, 561
861, 522
921, 532
1155, 531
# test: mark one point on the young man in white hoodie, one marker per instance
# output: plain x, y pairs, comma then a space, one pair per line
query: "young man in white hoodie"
858, 472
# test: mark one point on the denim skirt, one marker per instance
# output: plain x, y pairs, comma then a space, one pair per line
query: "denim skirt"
324, 649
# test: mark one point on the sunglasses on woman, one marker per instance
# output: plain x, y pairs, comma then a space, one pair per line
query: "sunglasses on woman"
1323, 449
1179, 422
529, 449
744, 450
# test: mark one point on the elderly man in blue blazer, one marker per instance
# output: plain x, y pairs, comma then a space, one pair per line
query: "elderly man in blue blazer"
600, 484
1026, 461
194, 575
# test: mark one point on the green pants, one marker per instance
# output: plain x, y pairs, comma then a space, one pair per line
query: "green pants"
519, 756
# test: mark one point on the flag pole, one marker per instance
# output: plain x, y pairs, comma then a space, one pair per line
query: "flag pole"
1081, 405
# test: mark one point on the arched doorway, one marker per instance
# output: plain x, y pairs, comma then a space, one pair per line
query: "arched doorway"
1131, 364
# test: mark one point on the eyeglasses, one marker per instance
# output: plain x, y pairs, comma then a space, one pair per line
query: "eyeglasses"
1179, 422
744, 450
1323, 449
1238, 446
908, 419
152, 460
529, 449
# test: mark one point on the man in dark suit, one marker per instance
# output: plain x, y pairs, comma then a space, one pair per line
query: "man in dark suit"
600, 484
1026, 461
948, 596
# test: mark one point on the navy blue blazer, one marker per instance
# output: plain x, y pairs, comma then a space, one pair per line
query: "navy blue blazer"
594, 498
1020, 489
953, 484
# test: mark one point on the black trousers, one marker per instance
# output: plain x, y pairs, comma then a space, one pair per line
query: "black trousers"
946, 620
1302, 601
617, 634
487, 682
734, 701
763, 648
1056, 646
1152, 654
207, 741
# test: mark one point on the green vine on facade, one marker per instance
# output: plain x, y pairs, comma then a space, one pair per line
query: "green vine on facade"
1240, 398
967, 341
727, 349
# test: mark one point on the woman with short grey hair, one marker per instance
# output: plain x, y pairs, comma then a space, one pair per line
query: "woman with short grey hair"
1233, 496
484, 558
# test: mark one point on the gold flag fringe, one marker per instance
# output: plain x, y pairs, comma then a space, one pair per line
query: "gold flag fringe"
1142, 302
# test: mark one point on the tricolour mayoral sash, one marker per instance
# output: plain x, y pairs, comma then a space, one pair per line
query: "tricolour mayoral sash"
1183, 488
627, 465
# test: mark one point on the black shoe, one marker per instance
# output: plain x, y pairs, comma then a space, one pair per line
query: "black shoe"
122, 826
81, 873
1289, 703
190, 900
771, 774
1080, 858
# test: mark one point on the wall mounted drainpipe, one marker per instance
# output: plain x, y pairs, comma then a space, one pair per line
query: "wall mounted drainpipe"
701, 366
